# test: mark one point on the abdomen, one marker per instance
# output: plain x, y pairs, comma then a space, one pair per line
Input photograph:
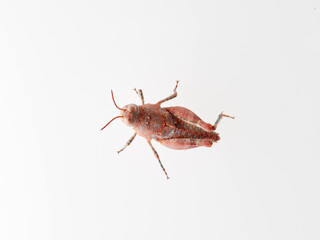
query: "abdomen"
179, 134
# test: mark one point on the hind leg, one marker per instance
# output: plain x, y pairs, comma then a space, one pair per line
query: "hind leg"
221, 115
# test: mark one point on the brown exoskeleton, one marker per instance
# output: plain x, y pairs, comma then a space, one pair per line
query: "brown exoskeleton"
174, 127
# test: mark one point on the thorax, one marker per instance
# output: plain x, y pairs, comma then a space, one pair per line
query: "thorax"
151, 120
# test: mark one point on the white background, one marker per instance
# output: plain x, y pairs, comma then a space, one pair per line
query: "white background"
60, 176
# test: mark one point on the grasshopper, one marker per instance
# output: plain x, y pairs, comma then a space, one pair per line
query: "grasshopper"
174, 127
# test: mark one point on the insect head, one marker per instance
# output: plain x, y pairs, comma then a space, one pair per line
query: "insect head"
128, 113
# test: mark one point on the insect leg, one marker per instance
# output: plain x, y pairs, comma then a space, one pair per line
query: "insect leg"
128, 143
221, 115
171, 96
157, 156
140, 94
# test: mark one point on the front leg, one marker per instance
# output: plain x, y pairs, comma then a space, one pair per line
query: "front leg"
171, 96
128, 143
140, 94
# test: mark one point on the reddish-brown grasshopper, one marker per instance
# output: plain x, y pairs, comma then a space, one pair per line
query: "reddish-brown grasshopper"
174, 127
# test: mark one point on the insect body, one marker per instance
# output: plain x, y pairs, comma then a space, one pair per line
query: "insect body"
174, 127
